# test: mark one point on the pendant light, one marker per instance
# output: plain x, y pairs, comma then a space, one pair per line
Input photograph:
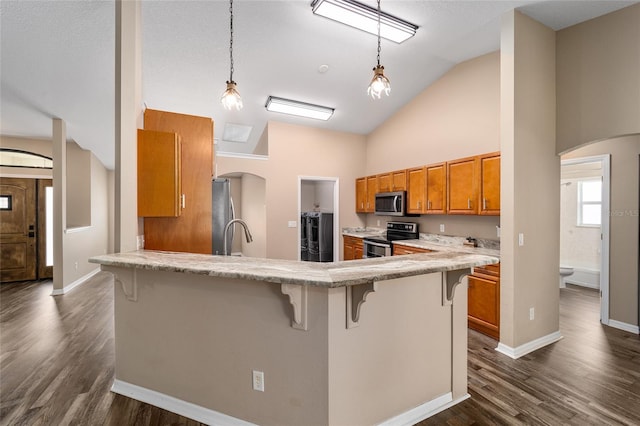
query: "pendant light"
231, 98
379, 83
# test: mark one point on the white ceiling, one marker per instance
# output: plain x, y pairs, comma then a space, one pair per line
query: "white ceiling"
57, 60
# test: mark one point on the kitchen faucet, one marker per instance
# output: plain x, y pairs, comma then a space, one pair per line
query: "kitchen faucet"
247, 233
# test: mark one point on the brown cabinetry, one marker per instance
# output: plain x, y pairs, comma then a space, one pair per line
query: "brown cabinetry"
191, 231
436, 175
159, 174
468, 186
366, 188
416, 190
353, 247
489, 193
361, 195
462, 186
400, 249
392, 181
484, 300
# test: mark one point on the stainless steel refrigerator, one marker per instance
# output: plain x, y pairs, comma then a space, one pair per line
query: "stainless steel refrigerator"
223, 213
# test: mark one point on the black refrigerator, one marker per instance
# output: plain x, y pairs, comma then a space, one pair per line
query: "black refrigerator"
319, 234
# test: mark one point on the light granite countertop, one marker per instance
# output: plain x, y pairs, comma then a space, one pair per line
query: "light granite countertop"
335, 274
441, 243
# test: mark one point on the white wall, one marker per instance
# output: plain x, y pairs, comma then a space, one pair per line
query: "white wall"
254, 213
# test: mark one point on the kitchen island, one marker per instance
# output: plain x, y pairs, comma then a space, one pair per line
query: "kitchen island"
371, 341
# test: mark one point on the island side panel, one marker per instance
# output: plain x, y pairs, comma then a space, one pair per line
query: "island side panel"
398, 357
198, 338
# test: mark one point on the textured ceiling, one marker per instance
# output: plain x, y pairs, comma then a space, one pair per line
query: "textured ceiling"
57, 60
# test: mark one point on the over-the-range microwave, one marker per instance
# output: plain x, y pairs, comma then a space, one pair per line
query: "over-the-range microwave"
391, 203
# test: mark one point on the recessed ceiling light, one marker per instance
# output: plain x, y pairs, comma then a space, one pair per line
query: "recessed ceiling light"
323, 68
301, 109
363, 17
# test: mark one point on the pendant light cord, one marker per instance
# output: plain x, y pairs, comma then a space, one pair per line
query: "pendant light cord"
379, 33
231, 39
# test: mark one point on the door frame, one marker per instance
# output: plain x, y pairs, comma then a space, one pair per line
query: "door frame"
605, 161
336, 211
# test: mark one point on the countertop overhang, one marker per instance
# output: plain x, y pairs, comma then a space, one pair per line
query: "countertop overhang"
330, 275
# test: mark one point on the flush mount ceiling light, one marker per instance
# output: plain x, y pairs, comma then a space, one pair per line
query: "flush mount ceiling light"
231, 98
363, 17
379, 83
302, 109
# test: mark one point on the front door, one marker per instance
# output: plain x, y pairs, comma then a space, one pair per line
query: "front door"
17, 229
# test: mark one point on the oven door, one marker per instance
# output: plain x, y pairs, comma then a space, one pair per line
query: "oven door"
376, 249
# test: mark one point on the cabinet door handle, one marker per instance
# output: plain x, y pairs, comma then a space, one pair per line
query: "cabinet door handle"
429, 205
484, 204
419, 204
183, 200
469, 203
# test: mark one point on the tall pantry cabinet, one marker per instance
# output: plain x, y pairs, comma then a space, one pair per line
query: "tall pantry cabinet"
190, 229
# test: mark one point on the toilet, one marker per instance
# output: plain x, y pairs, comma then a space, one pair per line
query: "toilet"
565, 271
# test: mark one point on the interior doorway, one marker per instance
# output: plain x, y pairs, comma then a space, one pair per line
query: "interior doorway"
319, 194
586, 181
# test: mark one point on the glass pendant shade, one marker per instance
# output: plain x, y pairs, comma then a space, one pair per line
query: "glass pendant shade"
379, 83
231, 98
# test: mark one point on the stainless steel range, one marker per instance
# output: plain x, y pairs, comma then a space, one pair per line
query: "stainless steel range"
379, 247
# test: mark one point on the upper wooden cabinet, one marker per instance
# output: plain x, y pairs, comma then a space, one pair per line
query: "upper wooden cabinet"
436, 188
462, 186
372, 189
361, 194
467, 186
489, 199
416, 190
191, 231
392, 181
159, 174
366, 188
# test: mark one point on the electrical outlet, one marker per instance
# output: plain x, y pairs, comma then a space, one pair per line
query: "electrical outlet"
498, 231
521, 239
76, 265
442, 227
258, 381
532, 313
378, 222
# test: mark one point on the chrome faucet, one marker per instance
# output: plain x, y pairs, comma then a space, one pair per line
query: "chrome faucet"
247, 233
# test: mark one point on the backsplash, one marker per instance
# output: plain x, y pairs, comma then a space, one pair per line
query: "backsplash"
449, 240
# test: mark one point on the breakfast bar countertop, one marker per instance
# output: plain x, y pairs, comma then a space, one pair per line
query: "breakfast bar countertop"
334, 274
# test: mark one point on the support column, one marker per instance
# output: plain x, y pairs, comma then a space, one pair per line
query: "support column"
59, 201
128, 118
530, 187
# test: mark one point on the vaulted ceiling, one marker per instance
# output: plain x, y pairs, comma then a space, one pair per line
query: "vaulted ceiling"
58, 60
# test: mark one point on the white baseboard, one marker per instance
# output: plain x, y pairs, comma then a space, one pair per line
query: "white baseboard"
175, 405
424, 411
624, 326
529, 347
212, 417
76, 283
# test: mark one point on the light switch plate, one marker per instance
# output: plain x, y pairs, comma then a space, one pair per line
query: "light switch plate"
292, 224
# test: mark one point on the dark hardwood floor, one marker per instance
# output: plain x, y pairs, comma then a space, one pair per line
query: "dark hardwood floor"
57, 366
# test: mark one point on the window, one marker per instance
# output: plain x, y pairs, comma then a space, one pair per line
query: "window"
590, 203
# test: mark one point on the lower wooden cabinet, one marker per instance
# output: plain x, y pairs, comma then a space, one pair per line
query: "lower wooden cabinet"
484, 300
400, 249
353, 248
